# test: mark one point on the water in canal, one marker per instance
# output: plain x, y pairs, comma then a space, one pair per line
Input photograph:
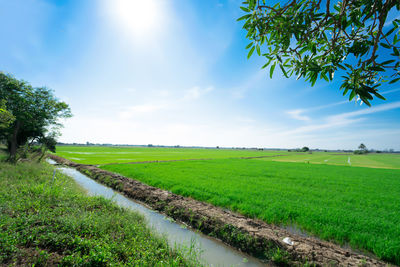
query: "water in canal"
213, 252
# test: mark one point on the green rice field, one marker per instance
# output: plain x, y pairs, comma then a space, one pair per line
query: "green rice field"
323, 193
372, 160
106, 155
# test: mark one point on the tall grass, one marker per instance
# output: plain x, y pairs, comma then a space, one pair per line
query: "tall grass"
45, 223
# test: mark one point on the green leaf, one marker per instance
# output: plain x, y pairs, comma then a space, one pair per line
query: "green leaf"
245, 9
346, 90
251, 52
314, 49
249, 45
395, 39
394, 80
323, 75
271, 70
313, 79
304, 49
258, 50
377, 68
390, 31
388, 62
352, 95
244, 17
283, 70
365, 101
337, 8
379, 96
396, 51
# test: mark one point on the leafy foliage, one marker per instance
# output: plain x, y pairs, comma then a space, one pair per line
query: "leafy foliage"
313, 40
36, 112
362, 149
6, 118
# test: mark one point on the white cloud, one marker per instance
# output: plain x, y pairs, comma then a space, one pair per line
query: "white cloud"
366, 111
297, 114
329, 123
196, 92
391, 91
343, 119
165, 100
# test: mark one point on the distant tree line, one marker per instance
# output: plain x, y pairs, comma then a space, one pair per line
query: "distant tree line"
362, 149
29, 117
303, 149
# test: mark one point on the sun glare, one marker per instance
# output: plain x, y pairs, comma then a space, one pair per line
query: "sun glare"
138, 18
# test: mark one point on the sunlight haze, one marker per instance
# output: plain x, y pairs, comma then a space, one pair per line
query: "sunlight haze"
176, 73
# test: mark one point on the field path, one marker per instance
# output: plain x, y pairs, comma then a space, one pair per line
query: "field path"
256, 237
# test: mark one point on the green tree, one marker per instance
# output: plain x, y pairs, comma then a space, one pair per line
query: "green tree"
313, 39
362, 147
6, 118
48, 142
36, 112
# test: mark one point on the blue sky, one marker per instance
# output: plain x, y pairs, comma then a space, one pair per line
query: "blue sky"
176, 73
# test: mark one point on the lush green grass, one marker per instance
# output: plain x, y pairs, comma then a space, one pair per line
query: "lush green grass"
354, 205
46, 224
105, 155
3, 154
372, 160
102, 155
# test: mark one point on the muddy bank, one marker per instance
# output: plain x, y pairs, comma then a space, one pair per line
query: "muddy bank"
249, 235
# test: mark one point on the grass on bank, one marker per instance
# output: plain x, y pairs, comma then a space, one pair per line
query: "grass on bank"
354, 205
42, 223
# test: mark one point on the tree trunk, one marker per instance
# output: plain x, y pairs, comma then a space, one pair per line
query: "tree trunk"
43, 152
13, 143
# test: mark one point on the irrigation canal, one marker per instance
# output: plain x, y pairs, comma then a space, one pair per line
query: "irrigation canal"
212, 252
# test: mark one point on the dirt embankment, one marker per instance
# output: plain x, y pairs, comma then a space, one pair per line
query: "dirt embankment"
249, 235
